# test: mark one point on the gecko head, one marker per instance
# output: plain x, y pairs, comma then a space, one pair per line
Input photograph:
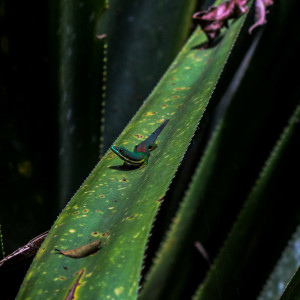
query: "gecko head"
118, 150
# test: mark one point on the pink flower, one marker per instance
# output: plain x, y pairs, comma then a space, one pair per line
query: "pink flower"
260, 13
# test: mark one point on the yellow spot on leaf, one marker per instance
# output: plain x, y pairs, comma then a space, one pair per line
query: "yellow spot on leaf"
135, 236
131, 217
150, 113
119, 290
72, 230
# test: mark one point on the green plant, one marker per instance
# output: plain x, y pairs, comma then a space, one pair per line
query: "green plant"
117, 205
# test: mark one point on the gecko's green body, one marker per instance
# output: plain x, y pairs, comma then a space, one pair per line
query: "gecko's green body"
140, 155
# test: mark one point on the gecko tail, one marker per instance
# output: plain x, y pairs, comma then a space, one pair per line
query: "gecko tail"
146, 144
153, 136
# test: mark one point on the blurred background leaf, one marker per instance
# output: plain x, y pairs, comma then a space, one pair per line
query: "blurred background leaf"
143, 38
28, 128
50, 113
284, 270
253, 120
292, 289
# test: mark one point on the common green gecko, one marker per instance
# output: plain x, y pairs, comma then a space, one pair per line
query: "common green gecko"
140, 155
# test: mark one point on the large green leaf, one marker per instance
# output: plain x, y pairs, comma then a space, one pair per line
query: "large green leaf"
143, 39
262, 221
80, 57
119, 205
249, 128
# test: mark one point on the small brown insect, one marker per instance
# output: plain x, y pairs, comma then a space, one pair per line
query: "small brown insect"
82, 251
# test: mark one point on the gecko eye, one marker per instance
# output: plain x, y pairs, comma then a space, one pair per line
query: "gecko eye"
121, 150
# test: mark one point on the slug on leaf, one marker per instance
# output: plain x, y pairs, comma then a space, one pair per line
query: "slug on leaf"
82, 251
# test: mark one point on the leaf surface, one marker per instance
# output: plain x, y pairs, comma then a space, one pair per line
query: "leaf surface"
119, 205
249, 128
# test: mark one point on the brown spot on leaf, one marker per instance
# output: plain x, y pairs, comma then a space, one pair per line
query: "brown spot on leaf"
72, 290
161, 200
131, 217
